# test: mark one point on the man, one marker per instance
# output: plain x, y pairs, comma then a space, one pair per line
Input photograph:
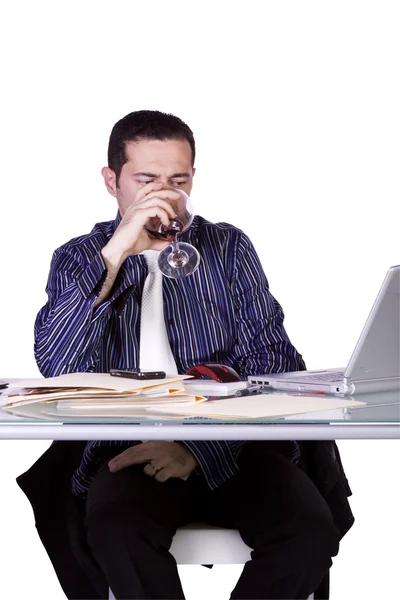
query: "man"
116, 506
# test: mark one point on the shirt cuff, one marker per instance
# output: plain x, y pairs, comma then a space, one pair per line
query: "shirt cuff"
215, 460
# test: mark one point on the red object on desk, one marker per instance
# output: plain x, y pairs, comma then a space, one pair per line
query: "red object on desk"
215, 371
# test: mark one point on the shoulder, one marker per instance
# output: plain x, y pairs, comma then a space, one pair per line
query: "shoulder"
85, 247
201, 225
217, 234
204, 228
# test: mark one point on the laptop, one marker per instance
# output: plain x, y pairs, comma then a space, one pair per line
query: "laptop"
375, 363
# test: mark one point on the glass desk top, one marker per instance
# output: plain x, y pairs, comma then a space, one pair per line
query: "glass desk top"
381, 412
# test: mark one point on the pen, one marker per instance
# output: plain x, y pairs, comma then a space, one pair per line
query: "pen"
250, 391
254, 389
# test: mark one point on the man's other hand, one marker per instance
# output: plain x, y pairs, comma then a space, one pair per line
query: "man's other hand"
162, 460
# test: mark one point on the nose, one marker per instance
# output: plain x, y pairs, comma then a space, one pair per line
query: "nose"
166, 185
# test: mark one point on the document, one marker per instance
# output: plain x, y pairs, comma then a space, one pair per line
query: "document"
102, 388
273, 405
95, 380
108, 405
264, 406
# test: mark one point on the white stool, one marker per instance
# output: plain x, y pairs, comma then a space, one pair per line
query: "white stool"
200, 544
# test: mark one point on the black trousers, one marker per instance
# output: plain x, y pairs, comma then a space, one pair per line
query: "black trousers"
129, 520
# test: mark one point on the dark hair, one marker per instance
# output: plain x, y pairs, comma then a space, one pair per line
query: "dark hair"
145, 125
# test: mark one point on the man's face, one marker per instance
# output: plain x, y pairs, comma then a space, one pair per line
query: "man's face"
168, 162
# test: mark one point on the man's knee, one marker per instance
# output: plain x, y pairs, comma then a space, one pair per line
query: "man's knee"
319, 539
114, 489
306, 537
124, 504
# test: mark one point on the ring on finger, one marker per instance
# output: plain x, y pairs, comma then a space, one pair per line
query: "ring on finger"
154, 469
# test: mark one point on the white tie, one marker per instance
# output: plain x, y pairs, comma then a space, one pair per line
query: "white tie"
155, 351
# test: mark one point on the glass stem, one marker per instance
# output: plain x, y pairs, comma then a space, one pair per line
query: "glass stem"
175, 245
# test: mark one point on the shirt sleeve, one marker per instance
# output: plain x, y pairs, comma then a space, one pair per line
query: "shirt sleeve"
68, 330
262, 344
217, 459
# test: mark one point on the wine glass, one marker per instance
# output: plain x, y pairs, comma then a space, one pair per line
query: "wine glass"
179, 259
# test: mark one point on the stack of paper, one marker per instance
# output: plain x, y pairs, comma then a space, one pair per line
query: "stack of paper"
85, 391
265, 406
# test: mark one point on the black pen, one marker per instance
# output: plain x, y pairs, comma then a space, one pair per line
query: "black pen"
250, 391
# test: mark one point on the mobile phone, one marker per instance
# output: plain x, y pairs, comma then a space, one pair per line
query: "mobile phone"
137, 374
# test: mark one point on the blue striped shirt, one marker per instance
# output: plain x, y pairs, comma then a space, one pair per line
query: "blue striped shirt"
222, 313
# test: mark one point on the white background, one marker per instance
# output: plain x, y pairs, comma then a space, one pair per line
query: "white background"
295, 111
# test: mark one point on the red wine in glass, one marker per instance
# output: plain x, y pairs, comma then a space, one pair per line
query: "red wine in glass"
168, 233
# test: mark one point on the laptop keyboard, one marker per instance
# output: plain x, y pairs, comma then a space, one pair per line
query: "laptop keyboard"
338, 376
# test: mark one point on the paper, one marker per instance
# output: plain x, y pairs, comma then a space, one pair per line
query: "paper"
267, 406
95, 380
141, 402
259, 406
84, 387
84, 395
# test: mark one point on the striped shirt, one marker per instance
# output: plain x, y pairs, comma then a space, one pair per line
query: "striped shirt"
223, 313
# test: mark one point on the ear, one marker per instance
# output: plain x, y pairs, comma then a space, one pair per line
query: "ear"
110, 180
193, 171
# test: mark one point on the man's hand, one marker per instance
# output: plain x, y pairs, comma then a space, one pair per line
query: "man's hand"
163, 460
130, 237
